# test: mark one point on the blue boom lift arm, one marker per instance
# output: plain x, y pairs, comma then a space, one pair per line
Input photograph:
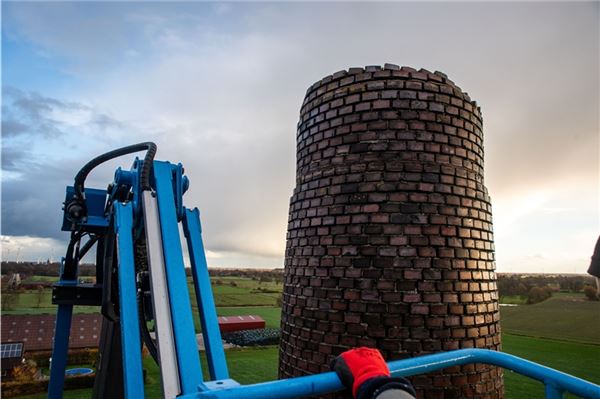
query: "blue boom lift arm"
141, 278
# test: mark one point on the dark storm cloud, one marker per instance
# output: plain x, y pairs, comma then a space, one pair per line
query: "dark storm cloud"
40, 157
26, 113
30, 114
14, 158
12, 127
32, 205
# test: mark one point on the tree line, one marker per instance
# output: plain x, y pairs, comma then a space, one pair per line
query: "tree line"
535, 287
26, 269
539, 287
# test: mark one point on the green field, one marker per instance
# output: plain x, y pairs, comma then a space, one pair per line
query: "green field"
562, 332
246, 366
260, 364
33, 279
233, 296
246, 292
565, 316
233, 292
32, 302
514, 299
580, 360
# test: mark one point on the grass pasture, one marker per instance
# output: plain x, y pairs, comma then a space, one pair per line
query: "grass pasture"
578, 359
236, 296
260, 364
246, 366
513, 299
36, 278
33, 302
562, 332
565, 316
229, 292
240, 291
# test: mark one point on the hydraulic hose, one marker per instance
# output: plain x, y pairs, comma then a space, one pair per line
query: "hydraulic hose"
78, 207
150, 148
72, 256
146, 338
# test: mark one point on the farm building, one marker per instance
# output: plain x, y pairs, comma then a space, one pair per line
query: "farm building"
237, 323
11, 355
36, 332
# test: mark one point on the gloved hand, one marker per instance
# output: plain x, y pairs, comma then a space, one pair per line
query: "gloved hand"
364, 371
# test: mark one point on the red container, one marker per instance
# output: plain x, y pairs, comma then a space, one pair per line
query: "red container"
237, 323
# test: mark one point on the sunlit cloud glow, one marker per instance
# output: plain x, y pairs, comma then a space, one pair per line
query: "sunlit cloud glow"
218, 86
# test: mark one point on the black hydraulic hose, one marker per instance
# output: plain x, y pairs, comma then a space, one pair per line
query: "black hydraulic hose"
110, 299
146, 338
150, 148
70, 270
79, 209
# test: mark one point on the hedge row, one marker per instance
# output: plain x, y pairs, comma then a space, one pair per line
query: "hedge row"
76, 356
12, 389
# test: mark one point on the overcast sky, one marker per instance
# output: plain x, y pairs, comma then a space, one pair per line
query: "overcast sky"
218, 87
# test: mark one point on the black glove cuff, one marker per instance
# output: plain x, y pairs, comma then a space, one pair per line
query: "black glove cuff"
376, 385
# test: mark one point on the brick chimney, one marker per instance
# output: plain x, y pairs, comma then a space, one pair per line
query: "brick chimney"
389, 239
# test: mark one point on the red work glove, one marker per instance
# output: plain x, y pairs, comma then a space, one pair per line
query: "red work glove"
364, 371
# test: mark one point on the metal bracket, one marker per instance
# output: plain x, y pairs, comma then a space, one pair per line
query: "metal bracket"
218, 385
180, 186
80, 294
95, 221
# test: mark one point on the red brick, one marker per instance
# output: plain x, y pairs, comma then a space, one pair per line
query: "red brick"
390, 217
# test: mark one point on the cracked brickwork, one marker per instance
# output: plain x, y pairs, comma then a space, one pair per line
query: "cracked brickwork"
389, 239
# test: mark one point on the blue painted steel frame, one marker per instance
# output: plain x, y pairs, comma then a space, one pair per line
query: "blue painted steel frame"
324, 383
60, 347
60, 350
188, 358
129, 318
215, 354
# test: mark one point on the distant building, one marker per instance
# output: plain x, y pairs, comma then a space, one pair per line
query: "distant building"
36, 332
11, 355
237, 323
14, 281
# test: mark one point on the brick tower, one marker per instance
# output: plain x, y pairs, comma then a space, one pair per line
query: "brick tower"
389, 239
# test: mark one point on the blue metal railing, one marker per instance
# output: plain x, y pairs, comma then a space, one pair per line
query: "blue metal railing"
556, 383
